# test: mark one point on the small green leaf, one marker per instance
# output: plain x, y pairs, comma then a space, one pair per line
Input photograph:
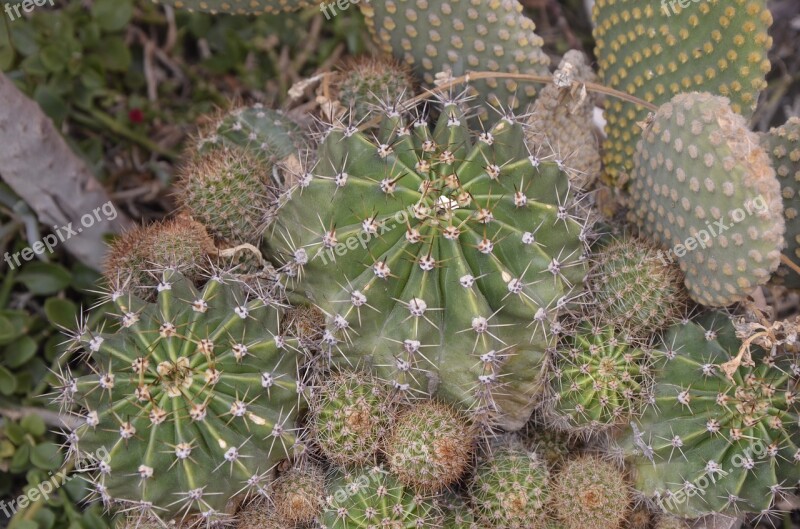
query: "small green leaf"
20, 352
25, 524
45, 518
8, 384
7, 330
54, 57
44, 279
21, 457
112, 15
47, 456
61, 312
34, 424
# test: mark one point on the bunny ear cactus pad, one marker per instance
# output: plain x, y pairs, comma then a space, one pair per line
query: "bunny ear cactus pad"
783, 146
646, 50
704, 188
193, 398
241, 7
439, 257
458, 36
713, 444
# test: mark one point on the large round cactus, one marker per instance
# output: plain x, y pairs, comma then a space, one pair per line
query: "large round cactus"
439, 256
191, 399
712, 443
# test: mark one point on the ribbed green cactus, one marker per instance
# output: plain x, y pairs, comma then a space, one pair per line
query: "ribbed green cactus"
712, 443
193, 398
704, 188
241, 7
656, 50
458, 36
599, 379
783, 146
431, 446
351, 414
636, 288
440, 258
457, 513
590, 492
366, 498
510, 490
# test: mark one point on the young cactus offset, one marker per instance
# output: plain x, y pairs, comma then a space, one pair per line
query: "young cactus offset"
591, 492
193, 397
704, 188
655, 50
511, 490
599, 378
440, 257
714, 443
783, 146
458, 36
366, 83
367, 498
298, 495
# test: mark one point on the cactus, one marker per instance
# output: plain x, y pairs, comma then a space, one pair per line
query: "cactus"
193, 398
552, 445
590, 492
305, 323
241, 7
429, 254
371, 497
655, 51
430, 447
710, 443
457, 36
783, 146
510, 490
560, 124
298, 496
457, 514
702, 185
670, 522
365, 84
599, 378
256, 515
636, 289
135, 258
351, 414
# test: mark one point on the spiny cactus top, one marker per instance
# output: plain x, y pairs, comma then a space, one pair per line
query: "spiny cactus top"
656, 50
441, 257
459, 36
591, 492
709, 443
193, 398
704, 189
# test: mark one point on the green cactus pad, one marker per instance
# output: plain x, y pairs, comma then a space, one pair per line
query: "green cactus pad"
192, 398
241, 7
459, 36
370, 497
637, 290
439, 257
599, 379
783, 146
703, 188
716, 46
431, 446
510, 490
591, 492
713, 444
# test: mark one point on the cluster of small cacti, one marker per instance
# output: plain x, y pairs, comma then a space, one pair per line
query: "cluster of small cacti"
425, 280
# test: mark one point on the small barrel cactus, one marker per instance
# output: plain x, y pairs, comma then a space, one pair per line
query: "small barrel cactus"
430, 446
366, 498
636, 288
712, 442
366, 84
427, 250
599, 379
351, 414
136, 259
783, 147
590, 492
193, 398
298, 495
510, 490
655, 50
258, 514
703, 187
